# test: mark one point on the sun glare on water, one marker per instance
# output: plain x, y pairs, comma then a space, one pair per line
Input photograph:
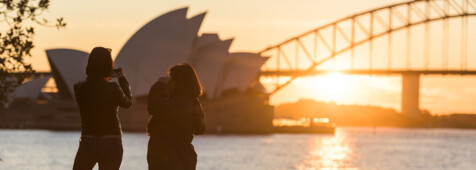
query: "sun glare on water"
329, 152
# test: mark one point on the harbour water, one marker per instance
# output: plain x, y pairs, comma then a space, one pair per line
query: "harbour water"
349, 148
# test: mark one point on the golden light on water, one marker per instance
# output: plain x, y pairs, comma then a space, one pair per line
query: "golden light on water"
328, 152
301, 122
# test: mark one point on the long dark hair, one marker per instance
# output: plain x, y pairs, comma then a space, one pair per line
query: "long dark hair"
99, 63
186, 80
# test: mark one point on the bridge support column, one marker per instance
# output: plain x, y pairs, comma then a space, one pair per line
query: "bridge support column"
411, 94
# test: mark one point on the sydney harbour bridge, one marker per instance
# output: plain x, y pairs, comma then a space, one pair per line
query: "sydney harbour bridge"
422, 37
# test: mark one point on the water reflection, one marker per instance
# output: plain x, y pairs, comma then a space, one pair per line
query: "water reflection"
329, 152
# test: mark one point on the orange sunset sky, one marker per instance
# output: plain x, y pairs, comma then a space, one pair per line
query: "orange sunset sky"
254, 25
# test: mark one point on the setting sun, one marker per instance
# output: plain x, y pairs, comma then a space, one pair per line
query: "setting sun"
334, 86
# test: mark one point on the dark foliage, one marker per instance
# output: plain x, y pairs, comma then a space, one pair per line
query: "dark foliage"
16, 41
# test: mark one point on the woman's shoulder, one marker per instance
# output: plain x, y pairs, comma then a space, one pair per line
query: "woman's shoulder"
79, 84
158, 84
113, 85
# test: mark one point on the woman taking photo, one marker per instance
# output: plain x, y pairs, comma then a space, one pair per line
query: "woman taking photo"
176, 115
98, 100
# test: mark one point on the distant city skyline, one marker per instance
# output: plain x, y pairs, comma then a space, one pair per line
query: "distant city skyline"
254, 25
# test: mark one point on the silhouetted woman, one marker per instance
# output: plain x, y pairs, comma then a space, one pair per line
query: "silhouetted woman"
98, 100
176, 115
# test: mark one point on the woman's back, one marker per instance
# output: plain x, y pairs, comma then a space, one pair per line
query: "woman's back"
171, 129
176, 116
173, 116
98, 102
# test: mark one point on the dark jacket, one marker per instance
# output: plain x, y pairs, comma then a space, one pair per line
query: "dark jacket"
174, 120
98, 102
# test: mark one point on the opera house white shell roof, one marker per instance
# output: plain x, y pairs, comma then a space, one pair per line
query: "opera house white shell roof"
163, 42
241, 70
29, 90
68, 67
209, 60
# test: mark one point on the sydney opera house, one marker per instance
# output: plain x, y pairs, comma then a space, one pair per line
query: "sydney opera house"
234, 100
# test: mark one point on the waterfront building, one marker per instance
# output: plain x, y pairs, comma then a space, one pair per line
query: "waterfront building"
234, 100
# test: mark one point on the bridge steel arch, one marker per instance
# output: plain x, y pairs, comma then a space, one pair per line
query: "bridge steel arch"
397, 17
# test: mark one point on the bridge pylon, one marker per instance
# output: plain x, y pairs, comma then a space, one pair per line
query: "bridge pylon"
411, 94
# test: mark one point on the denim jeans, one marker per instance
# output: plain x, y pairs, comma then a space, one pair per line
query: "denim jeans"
107, 152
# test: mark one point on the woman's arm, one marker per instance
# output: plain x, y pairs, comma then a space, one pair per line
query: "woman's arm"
199, 119
123, 94
157, 92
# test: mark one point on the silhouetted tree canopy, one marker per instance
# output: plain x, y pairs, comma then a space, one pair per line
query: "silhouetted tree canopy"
17, 21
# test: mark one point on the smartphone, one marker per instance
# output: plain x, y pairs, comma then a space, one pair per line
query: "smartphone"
116, 72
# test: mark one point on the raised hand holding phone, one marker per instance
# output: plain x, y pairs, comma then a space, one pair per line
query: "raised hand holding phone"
118, 72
